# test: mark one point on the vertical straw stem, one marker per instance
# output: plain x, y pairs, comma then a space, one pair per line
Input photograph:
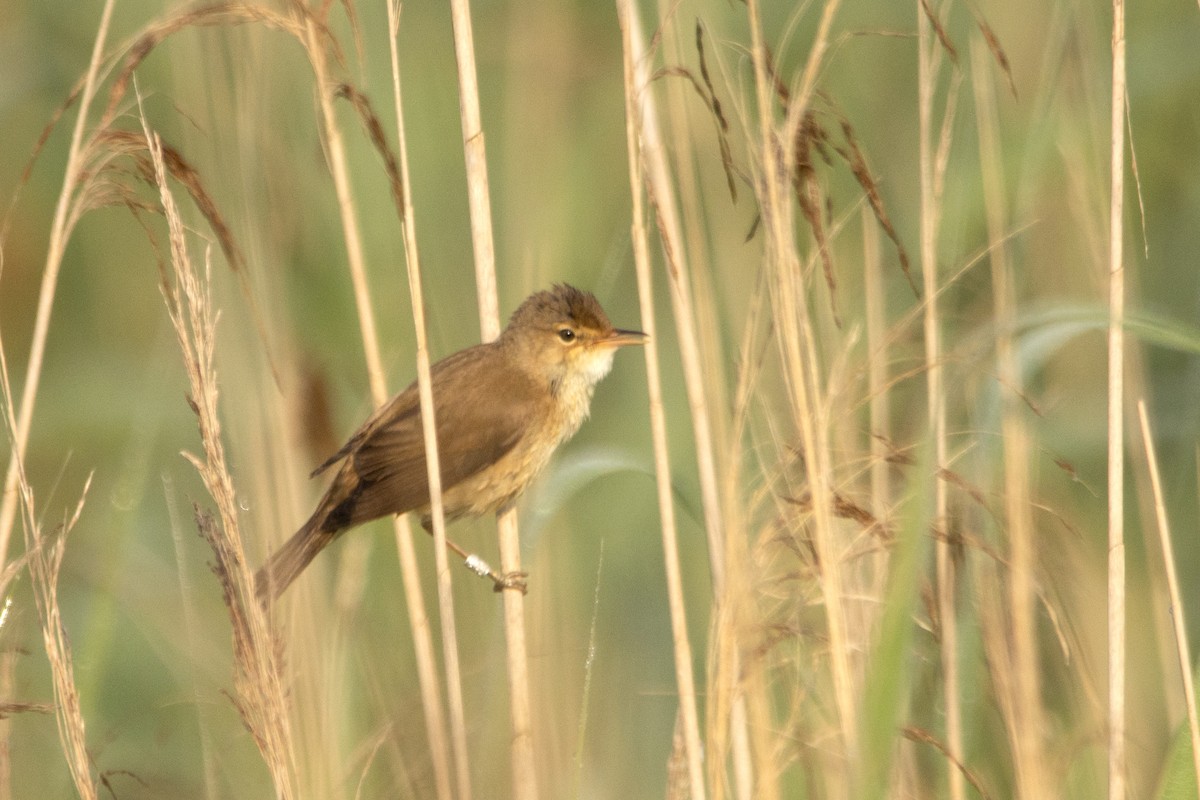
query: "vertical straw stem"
879, 428
423, 646
799, 354
20, 427
663, 198
685, 681
336, 153
722, 547
1178, 612
59, 233
947, 612
430, 698
475, 154
524, 775
1026, 727
1116, 409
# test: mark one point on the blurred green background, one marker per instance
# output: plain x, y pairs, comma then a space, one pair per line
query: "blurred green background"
239, 103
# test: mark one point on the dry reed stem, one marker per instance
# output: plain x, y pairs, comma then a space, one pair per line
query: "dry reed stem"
697, 329
433, 465
1026, 727
1177, 610
662, 197
931, 169
60, 232
724, 543
524, 768
879, 413
800, 369
475, 153
685, 681
725, 632
410, 573
422, 643
1116, 412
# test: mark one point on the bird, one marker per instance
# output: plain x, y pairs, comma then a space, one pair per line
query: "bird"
501, 409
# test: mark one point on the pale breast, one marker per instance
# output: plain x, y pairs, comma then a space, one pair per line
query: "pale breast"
497, 487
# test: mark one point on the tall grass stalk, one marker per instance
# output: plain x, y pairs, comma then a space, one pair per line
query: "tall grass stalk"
1178, 612
1026, 725
700, 357
524, 768
931, 169
66, 213
1116, 416
315, 47
635, 84
798, 355
430, 697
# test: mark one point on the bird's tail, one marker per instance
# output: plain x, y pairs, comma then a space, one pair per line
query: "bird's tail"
286, 563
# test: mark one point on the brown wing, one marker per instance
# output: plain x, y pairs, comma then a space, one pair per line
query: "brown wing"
385, 469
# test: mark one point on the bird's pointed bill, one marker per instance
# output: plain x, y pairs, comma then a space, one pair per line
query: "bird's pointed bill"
619, 338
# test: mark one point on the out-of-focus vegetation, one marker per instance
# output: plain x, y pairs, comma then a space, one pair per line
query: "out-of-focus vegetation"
148, 633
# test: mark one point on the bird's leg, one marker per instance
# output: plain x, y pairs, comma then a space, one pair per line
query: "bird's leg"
509, 580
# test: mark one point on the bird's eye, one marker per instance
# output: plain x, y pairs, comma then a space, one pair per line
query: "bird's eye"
567, 335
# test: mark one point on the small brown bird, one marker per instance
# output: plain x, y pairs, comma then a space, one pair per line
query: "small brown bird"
501, 409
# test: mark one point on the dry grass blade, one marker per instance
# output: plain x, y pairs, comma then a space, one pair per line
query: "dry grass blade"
9, 709
352, 18
714, 103
219, 14
482, 241
800, 364
812, 200
113, 142
1021, 652
925, 737
857, 161
714, 107
445, 588
996, 49
940, 30
362, 105
315, 44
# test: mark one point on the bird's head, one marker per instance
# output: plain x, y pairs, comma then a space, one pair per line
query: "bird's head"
563, 336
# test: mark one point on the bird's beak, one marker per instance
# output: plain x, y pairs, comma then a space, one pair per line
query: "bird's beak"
620, 338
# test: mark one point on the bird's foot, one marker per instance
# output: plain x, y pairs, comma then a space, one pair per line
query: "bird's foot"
510, 580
